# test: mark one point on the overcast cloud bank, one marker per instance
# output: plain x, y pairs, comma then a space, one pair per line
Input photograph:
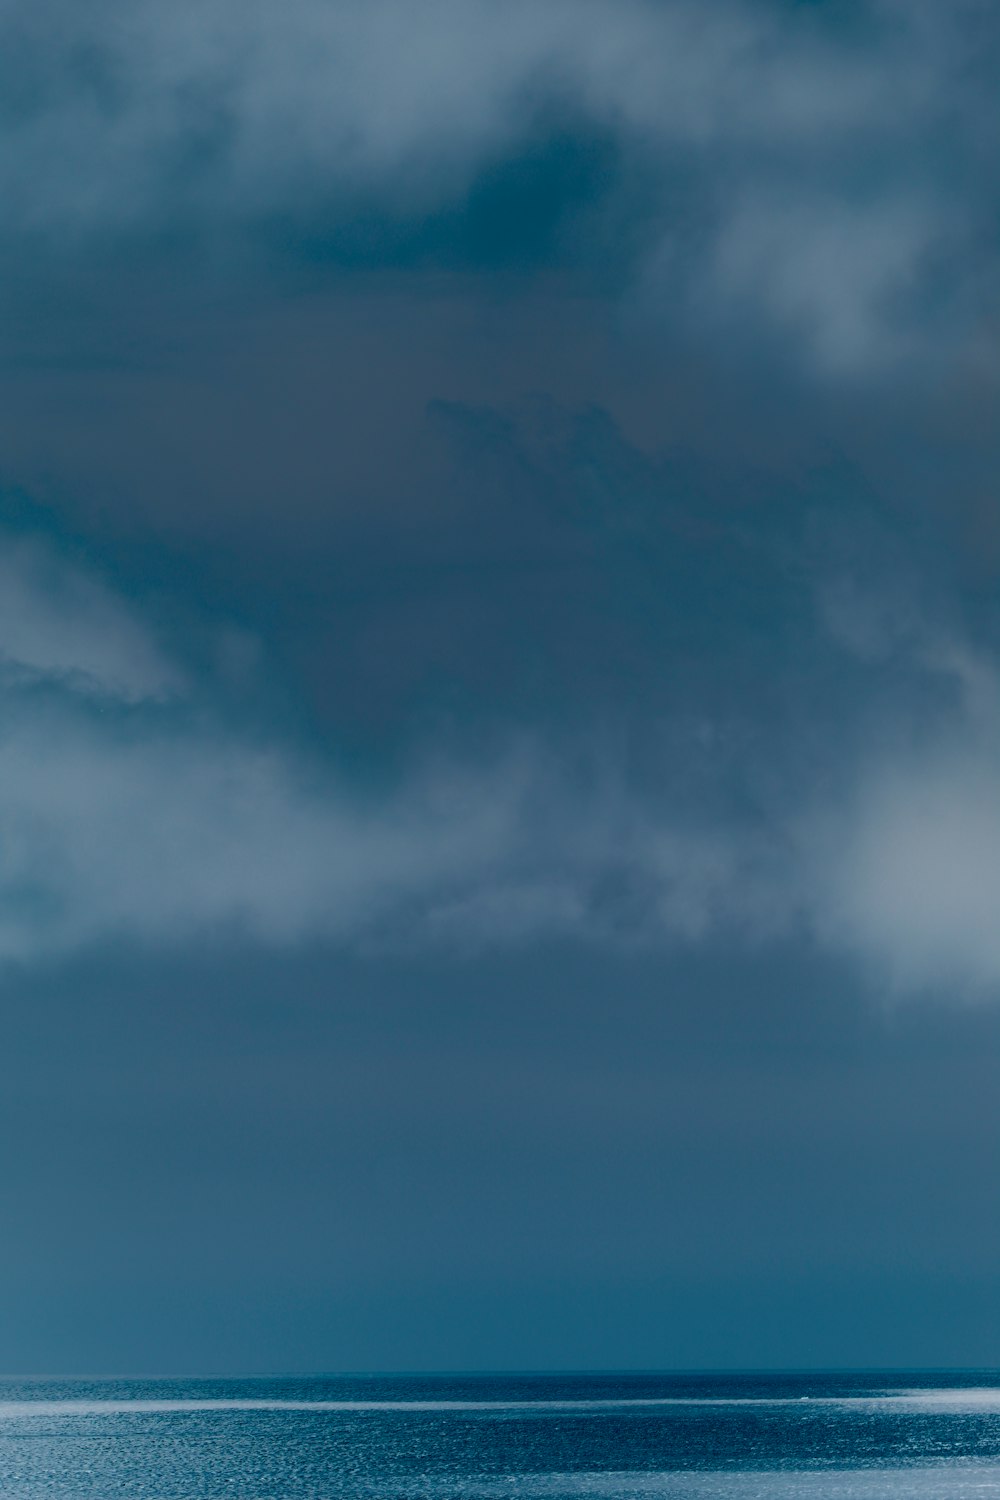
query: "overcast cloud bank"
128, 810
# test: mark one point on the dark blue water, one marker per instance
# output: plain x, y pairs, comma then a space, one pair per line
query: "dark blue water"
693, 1437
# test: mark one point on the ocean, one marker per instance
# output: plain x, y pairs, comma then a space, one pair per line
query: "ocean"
606, 1436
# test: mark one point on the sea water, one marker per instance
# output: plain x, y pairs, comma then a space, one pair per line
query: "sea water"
693, 1437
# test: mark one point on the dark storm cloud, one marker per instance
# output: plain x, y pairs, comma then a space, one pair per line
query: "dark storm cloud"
643, 629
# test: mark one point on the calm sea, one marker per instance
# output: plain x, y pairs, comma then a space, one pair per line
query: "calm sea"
737, 1437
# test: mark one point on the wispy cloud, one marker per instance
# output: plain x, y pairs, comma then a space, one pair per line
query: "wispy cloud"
837, 274
59, 622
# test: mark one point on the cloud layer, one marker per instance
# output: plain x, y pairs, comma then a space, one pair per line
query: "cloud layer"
743, 180
126, 813
130, 809
812, 172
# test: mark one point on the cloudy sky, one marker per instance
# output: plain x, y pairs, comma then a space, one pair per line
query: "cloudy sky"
499, 684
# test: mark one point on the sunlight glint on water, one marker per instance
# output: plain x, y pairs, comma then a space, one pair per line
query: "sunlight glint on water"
609, 1436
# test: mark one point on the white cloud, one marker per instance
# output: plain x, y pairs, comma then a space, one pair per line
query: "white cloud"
59, 621
904, 871
159, 835
313, 93
913, 880
836, 274
132, 827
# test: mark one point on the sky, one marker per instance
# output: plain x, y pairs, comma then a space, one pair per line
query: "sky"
499, 685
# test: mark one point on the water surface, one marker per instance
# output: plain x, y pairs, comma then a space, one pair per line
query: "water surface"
696, 1437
